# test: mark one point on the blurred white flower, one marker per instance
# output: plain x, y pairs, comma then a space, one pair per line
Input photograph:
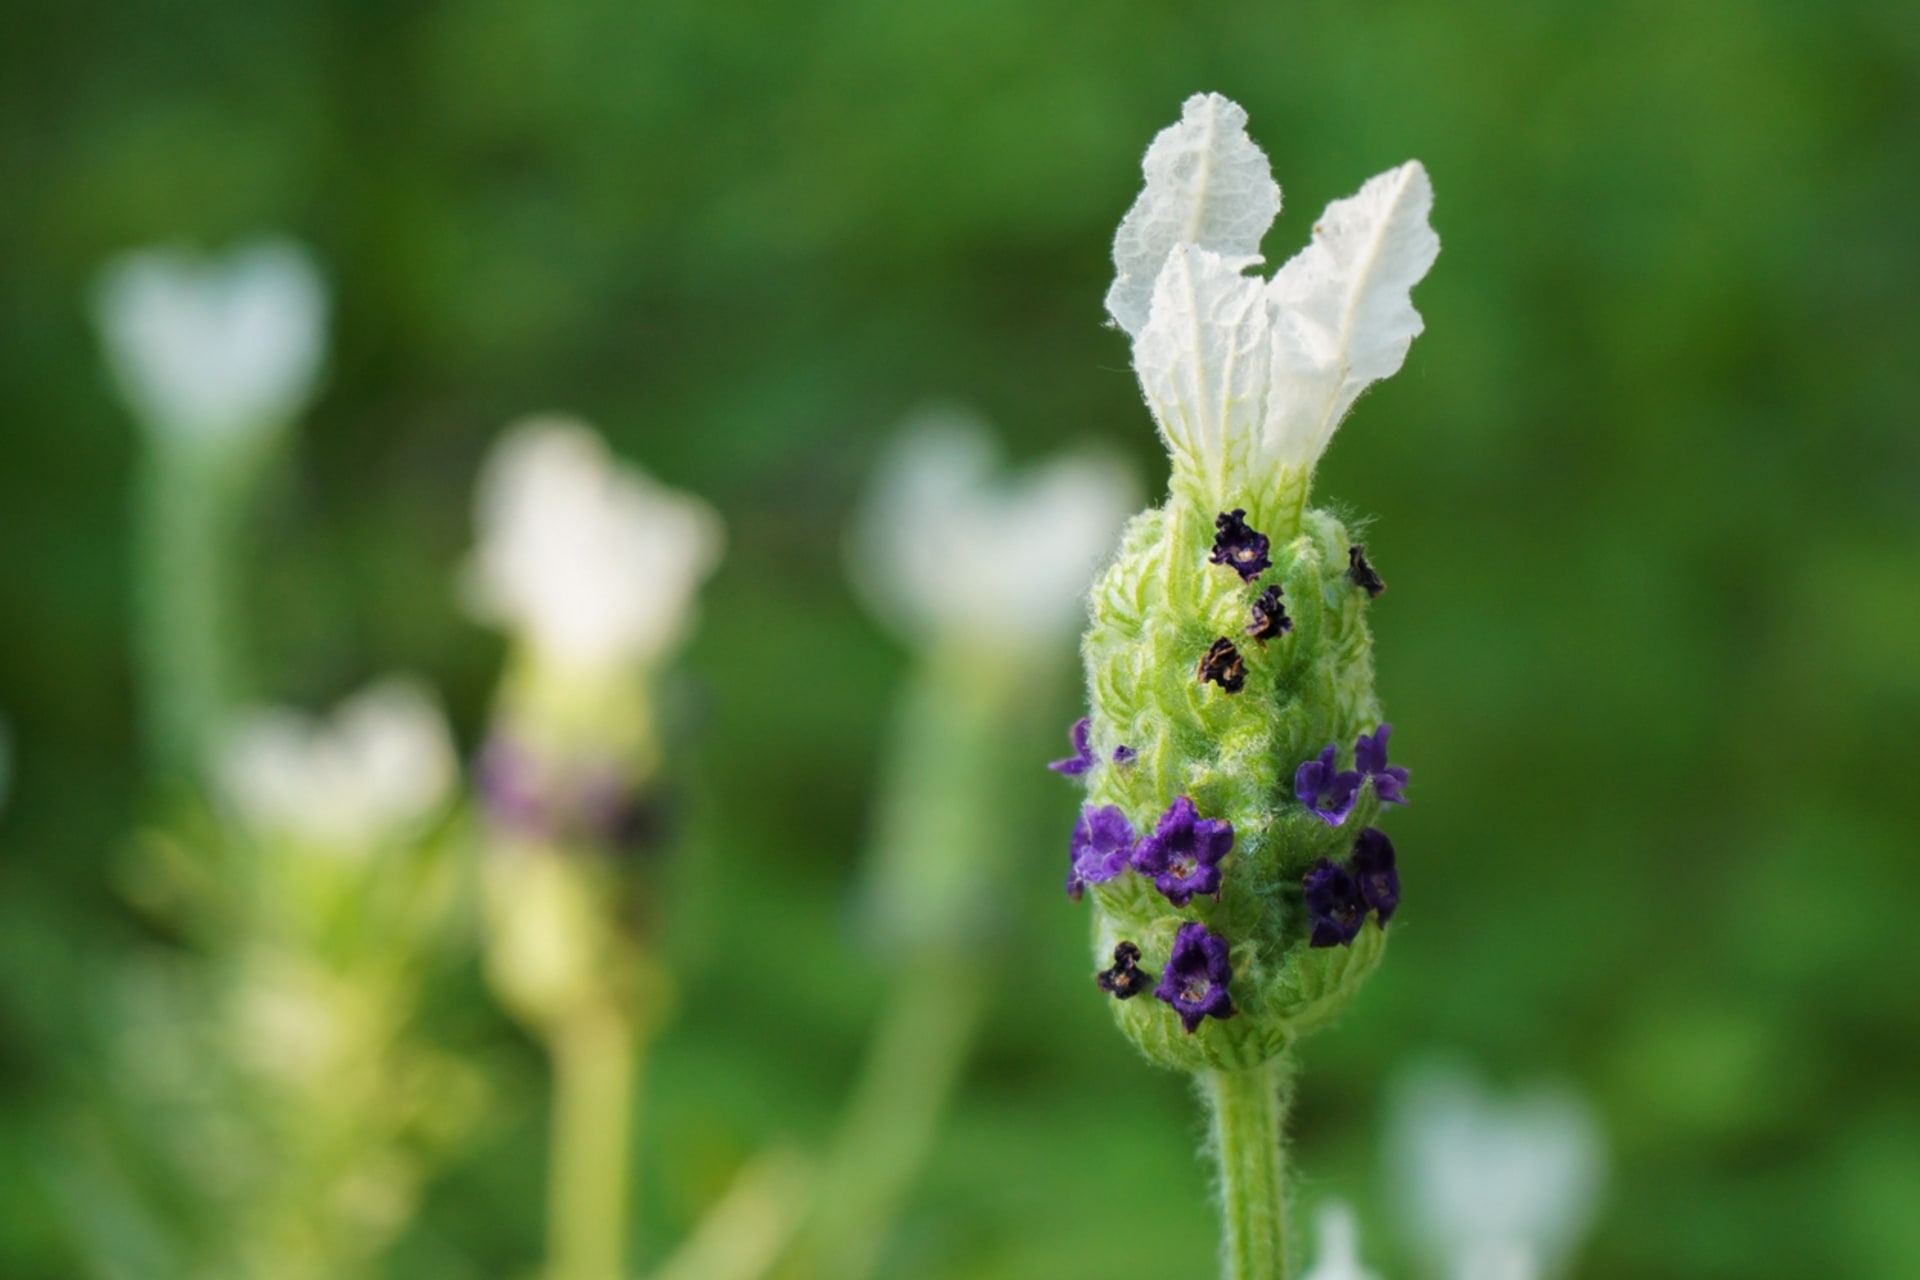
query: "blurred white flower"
1249, 377
375, 772
946, 546
589, 561
1491, 1188
1338, 1235
214, 348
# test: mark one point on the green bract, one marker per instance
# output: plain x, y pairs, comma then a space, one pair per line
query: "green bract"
1155, 612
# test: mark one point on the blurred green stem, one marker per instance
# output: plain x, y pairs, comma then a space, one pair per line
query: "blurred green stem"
1247, 1109
905, 1083
185, 539
596, 1057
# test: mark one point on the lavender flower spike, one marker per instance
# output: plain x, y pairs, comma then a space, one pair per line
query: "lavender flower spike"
1370, 758
1082, 758
1374, 871
1183, 853
1195, 982
1328, 791
1102, 846
1335, 904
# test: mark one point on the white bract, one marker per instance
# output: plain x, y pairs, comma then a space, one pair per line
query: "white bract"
375, 772
1338, 1236
1248, 377
946, 547
588, 561
1491, 1188
214, 349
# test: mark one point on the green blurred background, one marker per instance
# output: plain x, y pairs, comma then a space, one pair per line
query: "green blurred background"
1648, 495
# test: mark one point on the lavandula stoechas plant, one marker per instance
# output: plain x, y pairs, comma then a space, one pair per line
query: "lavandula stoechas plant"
1238, 888
273, 1065
982, 574
591, 567
216, 358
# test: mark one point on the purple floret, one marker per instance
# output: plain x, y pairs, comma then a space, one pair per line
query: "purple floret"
1241, 549
1082, 758
1375, 873
1196, 977
1335, 905
1183, 853
1101, 848
1326, 789
1370, 758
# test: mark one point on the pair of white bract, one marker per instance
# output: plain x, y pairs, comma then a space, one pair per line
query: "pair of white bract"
1248, 377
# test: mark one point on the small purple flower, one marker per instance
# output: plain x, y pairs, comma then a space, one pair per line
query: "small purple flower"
1102, 845
1269, 617
1362, 573
1126, 979
1328, 791
1082, 758
1239, 548
1183, 853
1373, 870
1335, 904
1370, 757
1124, 755
1198, 971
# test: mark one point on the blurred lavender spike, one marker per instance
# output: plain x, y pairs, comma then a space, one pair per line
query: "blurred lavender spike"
214, 349
589, 562
370, 775
946, 546
1491, 1188
1337, 1234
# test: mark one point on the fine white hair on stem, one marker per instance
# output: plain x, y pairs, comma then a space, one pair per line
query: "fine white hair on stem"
374, 772
588, 561
946, 546
1491, 1187
211, 349
1249, 377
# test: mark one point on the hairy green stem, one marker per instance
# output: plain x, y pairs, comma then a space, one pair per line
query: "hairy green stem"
1247, 1115
596, 1058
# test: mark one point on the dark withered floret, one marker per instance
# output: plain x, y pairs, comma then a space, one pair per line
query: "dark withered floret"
1223, 665
1362, 573
1126, 979
1269, 616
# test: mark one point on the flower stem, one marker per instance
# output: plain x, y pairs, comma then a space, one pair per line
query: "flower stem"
186, 532
905, 1083
1247, 1109
596, 1059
